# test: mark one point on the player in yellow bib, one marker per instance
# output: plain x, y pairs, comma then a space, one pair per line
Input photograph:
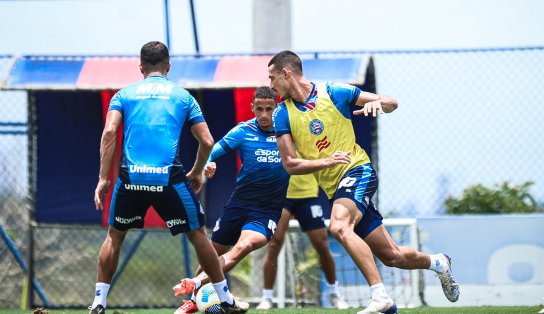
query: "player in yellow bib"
316, 119
302, 203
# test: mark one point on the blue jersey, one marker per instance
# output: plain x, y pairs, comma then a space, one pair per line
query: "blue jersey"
262, 181
343, 96
154, 111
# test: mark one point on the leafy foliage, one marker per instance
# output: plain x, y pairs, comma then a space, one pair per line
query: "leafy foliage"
499, 199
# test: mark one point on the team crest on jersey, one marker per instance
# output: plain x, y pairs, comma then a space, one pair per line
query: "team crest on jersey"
316, 127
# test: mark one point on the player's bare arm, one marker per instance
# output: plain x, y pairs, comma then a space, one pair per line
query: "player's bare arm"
205, 144
295, 166
374, 104
107, 149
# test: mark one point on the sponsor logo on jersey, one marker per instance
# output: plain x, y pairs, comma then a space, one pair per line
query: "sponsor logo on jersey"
147, 169
271, 139
154, 88
316, 127
175, 222
322, 144
141, 187
267, 155
126, 221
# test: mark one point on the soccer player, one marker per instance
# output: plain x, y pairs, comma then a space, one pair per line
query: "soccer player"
153, 112
302, 203
252, 213
317, 120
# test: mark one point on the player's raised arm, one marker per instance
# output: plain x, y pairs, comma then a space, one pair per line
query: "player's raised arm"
373, 104
295, 166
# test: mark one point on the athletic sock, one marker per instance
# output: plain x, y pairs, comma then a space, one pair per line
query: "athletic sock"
438, 264
100, 294
223, 292
333, 288
378, 291
198, 282
268, 294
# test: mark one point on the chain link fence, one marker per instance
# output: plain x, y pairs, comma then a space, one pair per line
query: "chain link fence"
14, 201
464, 118
155, 265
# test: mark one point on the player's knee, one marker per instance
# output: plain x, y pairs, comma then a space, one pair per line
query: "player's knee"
116, 238
340, 232
195, 235
390, 258
244, 248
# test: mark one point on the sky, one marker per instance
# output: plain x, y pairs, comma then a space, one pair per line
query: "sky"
455, 125
123, 26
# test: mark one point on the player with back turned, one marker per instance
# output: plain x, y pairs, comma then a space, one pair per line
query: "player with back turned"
153, 112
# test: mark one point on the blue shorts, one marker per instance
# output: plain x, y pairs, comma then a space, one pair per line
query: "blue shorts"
229, 226
359, 185
307, 211
176, 204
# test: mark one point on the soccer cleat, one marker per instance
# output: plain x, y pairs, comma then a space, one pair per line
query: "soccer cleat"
99, 309
377, 306
235, 307
449, 285
186, 286
266, 304
338, 302
188, 306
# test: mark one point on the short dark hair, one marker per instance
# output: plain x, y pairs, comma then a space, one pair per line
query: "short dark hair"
154, 56
287, 59
264, 92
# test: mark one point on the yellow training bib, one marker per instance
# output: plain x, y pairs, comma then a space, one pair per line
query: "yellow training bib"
302, 186
318, 133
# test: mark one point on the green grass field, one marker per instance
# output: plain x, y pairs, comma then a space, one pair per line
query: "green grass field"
422, 310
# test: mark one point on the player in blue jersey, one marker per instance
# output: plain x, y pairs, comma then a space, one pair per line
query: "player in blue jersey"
251, 214
153, 112
316, 118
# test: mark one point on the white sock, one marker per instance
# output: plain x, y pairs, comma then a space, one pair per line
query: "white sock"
100, 294
193, 296
268, 294
223, 292
438, 264
333, 288
378, 291
198, 282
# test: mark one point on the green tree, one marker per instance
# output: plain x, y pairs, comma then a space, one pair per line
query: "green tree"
499, 199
